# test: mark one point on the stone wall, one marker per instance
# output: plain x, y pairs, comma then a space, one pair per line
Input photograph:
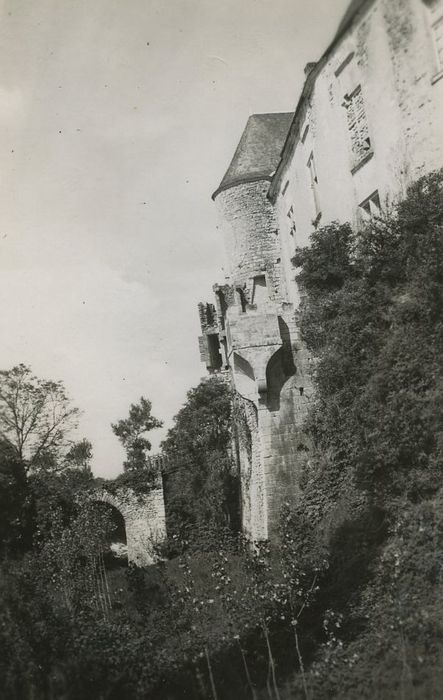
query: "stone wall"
250, 232
145, 523
388, 53
368, 123
257, 327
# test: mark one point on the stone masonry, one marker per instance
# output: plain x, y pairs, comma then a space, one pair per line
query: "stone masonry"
143, 514
368, 123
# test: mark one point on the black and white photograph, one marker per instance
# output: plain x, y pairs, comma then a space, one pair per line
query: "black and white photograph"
221, 350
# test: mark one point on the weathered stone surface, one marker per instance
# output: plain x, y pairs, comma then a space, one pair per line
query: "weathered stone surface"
144, 516
385, 49
368, 123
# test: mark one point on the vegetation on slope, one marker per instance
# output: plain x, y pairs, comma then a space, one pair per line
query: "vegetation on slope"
373, 316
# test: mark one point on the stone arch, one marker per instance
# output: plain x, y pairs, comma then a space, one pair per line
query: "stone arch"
117, 553
144, 518
112, 500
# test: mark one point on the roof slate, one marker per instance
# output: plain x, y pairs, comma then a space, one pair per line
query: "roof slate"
258, 153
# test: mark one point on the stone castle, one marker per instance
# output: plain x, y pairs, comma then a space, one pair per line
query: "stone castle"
368, 123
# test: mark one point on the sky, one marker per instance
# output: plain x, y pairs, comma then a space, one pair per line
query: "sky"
118, 119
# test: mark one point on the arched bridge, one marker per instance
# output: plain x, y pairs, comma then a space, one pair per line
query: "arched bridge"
144, 517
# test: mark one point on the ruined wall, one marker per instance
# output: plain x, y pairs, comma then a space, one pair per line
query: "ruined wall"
145, 523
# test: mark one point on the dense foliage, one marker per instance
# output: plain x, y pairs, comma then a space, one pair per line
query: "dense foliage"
373, 316
201, 483
348, 604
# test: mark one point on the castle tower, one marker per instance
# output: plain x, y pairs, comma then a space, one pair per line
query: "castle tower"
254, 327
367, 124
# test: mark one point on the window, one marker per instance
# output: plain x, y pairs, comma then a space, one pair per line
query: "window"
314, 188
344, 63
358, 127
241, 297
435, 11
370, 207
260, 291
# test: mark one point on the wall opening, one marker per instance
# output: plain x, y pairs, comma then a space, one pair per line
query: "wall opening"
358, 127
370, 207
223, 307
214, 351
314, 188
260, 291
242, 299
116, 541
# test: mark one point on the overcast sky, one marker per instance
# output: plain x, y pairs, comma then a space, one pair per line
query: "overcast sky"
118, 119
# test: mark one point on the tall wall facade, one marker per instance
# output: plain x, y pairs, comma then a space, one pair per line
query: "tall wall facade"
368, 122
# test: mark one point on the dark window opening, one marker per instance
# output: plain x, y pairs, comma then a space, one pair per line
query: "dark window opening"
358, 127
260, 290
370, 207
242, 298
223, 307
215, 357
344, 63
314, 186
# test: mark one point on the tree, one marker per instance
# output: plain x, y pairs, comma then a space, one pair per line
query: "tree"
201, 486
36, 416
13, 501
80, 455
132, 434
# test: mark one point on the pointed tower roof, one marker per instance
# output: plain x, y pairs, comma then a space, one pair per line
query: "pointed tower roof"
258, 153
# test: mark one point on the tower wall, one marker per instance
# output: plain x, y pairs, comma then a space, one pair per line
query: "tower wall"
269, 367
250, 232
